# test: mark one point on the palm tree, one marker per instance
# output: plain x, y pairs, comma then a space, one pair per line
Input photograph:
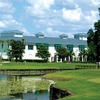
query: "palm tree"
83, 55
2, 45
8, 42
71, 54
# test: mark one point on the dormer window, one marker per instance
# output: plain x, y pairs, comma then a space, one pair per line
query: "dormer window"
63, 36
39, 35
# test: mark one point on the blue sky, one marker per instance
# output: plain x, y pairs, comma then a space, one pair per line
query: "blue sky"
52, 17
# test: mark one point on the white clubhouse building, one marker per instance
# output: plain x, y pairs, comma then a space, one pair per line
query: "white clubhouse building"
52, 43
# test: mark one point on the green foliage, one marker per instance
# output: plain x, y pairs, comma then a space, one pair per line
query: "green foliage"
18, 85
83, 55
62, 53
97, 40
43, 53
71, 54
16, 49
91, 46
94, 43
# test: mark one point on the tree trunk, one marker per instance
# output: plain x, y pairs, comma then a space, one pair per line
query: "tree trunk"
97, 65
16, 59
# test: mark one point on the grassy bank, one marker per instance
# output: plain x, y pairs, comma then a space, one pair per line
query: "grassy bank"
32, 65
84, 84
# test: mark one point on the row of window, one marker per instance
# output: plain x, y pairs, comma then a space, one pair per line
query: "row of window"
30, 47
69, 47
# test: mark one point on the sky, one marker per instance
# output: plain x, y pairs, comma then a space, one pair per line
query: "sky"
51, 17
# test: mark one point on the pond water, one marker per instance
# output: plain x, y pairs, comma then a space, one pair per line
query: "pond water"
23, 88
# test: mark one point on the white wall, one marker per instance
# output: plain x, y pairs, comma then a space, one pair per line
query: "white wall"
31, 54
76, 51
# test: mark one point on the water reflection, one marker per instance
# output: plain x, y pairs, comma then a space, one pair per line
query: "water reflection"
23, 88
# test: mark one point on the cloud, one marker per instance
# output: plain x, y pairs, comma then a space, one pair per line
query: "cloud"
72, 15
6, 7
9, 23
95, 2
50, 16
39, 8
92, 17
56, 33
2, 24
53, 32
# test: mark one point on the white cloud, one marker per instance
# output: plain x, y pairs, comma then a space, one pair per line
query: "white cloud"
39, 7
72, 15
8, 22
95, 2
92, 17
51, 32
6, 7
7, 16
2, 24
3, 4
26, 32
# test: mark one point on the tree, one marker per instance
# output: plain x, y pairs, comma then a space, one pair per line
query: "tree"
43, 53
17, 49
97, 41
62, 53
94, 41
8, 42
2, 45
71, 54
91, 46
83, 55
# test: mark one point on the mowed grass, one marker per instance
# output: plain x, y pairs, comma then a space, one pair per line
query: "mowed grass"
33, 65
84, 84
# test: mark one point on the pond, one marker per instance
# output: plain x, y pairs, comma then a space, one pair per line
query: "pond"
23, 88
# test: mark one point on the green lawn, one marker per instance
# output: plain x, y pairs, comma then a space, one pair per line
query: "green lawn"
32, 65
85, 84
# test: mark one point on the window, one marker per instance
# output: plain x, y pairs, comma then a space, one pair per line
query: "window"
70, 47
30, 47
46, 45
57, 46
81, 47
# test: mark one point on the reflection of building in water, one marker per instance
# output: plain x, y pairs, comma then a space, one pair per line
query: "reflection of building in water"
19, 86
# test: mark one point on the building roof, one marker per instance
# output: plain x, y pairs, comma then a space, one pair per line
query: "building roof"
81, 34
45, 40
12, 31
54, 40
